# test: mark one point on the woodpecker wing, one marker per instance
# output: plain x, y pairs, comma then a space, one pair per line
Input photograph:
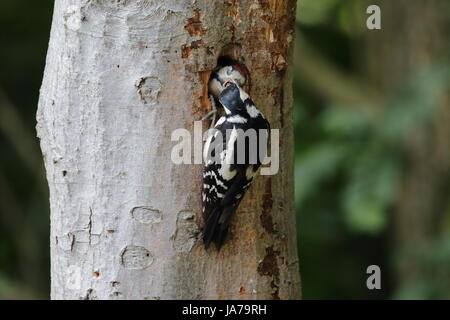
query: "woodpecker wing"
224, 185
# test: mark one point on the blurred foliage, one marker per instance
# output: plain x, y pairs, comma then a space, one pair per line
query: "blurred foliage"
351, 155
24, 213
372, 177
352, 159
434, 266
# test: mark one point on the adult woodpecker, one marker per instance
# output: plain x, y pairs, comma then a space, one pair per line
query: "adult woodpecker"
227, 70
229, 172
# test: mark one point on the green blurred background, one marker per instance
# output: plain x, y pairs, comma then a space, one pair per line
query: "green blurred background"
372, 128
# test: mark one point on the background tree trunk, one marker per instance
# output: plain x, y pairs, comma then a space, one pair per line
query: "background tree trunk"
404, 48
120, 77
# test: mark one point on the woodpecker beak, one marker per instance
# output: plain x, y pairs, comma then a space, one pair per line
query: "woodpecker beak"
228, 82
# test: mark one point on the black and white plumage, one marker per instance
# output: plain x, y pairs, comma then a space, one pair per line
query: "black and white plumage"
232, 72
225, 182
227, 70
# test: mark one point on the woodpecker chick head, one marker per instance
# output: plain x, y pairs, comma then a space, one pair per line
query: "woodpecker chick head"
233, 97
236, 72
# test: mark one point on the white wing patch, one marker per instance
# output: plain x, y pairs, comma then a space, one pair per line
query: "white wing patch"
244, 95
237, 119
206, 149
220, 121
253, 111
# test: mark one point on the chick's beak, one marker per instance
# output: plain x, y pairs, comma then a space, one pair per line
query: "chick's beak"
228, 82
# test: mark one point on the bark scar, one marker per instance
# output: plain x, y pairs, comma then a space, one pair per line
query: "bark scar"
202, 104
267, 205
148, 89
90, 225
194, 25
90, 295
269, 267
187, 49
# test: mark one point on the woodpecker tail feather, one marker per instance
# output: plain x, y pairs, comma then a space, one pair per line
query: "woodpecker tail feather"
211, 224
221, 235
216, 226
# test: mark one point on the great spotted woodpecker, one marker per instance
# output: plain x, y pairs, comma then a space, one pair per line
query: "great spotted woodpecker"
227, 70
233, 154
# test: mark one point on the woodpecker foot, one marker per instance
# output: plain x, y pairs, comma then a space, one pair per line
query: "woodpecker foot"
212, 114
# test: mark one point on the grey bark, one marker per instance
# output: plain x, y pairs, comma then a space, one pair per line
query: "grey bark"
120, 77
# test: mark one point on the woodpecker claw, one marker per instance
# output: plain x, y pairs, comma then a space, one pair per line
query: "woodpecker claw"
212, 114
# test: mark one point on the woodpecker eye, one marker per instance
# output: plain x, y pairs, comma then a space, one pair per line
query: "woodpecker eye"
229, 71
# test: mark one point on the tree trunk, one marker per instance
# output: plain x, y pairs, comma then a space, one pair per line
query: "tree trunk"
120, 77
